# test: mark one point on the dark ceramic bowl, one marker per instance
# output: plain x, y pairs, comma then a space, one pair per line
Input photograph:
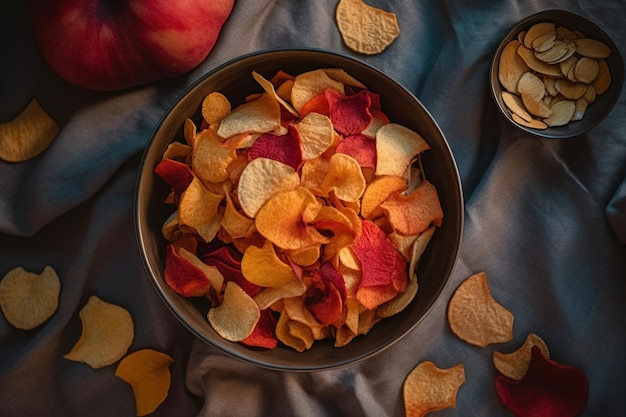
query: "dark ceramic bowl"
234, 80
597, 110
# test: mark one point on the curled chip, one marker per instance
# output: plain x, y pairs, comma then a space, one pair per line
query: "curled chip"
547, 389
476, 317
396, 147
236, 317
366, 29
28, 134
28, 299
428, 388
147, 372
107, 333
514, 365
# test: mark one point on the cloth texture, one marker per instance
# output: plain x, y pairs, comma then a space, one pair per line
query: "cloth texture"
545, 219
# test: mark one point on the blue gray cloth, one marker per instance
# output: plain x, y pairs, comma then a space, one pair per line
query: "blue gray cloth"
545, 219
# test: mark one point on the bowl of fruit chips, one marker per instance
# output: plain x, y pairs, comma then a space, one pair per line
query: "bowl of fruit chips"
556, 74
298, 209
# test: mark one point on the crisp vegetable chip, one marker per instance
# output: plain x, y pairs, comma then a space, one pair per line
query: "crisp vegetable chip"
236, 317
299, 215
107, 333
366, 29
476, 317
547, 389
428, 388
514, 365
28, 299
28, 134
147, 372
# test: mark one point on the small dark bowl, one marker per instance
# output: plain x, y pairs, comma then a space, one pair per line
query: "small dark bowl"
597, 110
234, 80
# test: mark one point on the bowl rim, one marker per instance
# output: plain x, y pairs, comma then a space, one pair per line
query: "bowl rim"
330, 364
555, 132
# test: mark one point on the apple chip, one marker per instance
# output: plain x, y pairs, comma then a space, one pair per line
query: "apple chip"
261, 266
396, 147
236, 317
514, 365
428, 388
27, 135
292, 229
259, 116
147, 372
215, 106
366, 29
262, 179
28, 299
107, 333
476, 317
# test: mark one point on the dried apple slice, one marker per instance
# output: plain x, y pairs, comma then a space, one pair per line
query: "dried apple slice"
366, 29
107, 333
27, 135
514, 365
592, 48
511, 66
476, 317
28, 299
562, 113
147, 372
428, 388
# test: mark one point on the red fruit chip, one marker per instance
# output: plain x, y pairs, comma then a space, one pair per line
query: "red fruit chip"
176, 174
548, 389
264, 334
230, 267
282, 148
360, 147
183, 277
350, 114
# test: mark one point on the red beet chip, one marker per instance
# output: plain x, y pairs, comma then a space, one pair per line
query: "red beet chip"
183, 277
360, 147
324, 299
264, 334
548, 389
282, 148
350, 114
229, 265
176, 174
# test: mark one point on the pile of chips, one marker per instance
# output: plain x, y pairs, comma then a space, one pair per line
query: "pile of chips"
301, 214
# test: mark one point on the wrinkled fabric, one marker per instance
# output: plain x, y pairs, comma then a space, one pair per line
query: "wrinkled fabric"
545, 219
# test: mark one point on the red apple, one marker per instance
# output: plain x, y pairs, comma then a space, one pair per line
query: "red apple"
109, 45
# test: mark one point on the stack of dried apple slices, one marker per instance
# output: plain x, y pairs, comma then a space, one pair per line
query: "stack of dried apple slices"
550, 74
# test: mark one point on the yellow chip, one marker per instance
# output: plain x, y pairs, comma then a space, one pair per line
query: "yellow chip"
515, 364
235, 318
147, 372
198, 209
28, 299
210, 160
366, 29
428, 388
107, 333
476, 317
291, 230
344, 178
27, 135
311, 83
261, 266
257, 116
262, 179
215, 106
316, 134
396, 147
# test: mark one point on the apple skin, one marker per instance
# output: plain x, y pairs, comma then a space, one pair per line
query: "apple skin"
108, 45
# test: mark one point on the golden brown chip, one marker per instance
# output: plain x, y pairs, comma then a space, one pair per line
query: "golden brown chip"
515, 364
235, 318
366, 29
147, 372
107, 333
476, 317
28, 299
428, 388
215, 106
511, 66
28, 134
